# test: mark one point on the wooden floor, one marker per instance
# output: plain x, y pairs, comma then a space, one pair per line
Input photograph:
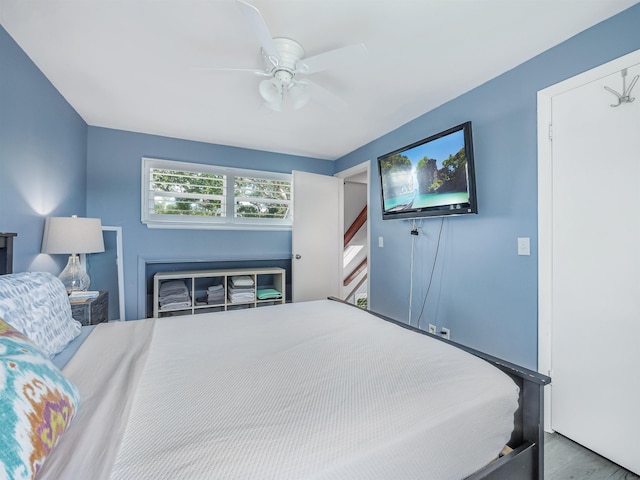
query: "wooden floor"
565, 460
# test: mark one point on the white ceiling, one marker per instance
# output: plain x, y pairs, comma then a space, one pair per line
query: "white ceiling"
129, 64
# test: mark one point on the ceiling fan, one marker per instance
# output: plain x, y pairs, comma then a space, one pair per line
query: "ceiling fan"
284, 62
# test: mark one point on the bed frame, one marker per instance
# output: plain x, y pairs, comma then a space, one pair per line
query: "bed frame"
525, 460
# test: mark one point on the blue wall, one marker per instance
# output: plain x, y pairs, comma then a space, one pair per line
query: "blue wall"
53, 164
42, 157
482, 290
113, 194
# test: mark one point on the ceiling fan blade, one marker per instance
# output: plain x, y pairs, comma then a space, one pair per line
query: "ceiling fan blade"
324, 96
253, 15
260, 73
340, 57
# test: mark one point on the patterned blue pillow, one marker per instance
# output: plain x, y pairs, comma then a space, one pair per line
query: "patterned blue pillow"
37, 304
37, 404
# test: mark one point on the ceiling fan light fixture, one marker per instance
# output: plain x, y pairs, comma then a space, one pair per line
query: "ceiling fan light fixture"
271, 91
299, 94
284, 59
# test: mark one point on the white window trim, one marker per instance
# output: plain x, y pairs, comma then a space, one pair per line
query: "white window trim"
206, 223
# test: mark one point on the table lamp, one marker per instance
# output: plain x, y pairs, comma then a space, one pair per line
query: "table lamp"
72, 236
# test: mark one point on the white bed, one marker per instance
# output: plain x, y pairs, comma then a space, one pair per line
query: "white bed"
315, 390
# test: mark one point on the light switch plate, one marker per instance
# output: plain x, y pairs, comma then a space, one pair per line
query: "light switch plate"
524, 246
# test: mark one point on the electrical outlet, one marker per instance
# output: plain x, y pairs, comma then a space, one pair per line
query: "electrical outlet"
432, 328
445, 333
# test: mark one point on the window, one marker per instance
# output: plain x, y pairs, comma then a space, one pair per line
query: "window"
191, 195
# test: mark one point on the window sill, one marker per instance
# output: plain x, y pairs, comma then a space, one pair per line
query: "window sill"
219, 226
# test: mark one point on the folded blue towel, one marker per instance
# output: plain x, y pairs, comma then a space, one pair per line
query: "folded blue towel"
268, 293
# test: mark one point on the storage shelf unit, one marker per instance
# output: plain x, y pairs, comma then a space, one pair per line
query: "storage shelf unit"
198, 281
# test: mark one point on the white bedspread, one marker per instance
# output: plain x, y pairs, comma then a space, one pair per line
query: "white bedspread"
106, 370
314, 390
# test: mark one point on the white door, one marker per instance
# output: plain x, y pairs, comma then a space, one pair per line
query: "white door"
595, 254
317, 236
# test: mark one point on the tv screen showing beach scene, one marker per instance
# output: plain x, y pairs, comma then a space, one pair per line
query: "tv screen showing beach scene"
431, 177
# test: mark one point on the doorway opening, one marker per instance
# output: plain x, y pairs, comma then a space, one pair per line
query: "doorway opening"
355, 285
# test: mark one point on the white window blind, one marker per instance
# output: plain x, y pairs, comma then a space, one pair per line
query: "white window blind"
191, 195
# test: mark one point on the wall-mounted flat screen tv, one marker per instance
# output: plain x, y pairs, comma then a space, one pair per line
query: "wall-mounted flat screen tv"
432, 177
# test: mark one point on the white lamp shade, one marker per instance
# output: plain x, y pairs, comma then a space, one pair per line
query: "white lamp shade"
72, 235
299, 94
271, 91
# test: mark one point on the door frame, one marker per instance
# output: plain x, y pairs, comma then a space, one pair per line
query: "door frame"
545, 210
364, 167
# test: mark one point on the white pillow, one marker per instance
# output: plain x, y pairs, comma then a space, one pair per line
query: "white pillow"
37, 304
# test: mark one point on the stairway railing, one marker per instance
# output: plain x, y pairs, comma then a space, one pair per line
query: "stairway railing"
357, 224
351, 232
356, 271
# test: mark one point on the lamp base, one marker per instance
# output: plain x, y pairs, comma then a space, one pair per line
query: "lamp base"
74, 277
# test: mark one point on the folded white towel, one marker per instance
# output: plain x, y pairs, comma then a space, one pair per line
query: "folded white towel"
241, 290
241, 281
242, 296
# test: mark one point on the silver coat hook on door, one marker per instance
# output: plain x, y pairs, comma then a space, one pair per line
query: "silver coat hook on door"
298, 256
625, 97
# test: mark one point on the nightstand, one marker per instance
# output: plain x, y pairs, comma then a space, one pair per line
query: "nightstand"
91, 311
